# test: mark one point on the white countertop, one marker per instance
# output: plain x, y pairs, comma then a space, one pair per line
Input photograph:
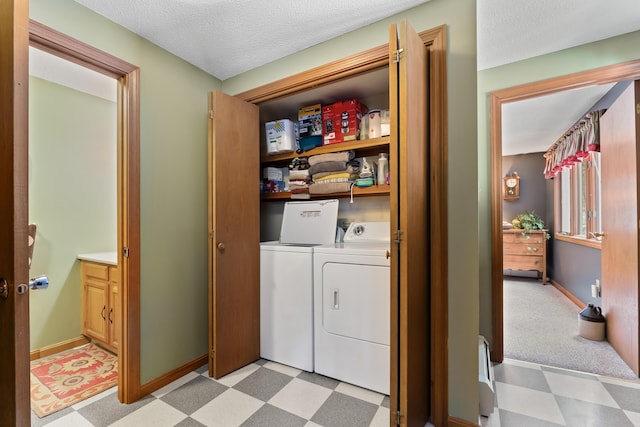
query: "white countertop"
102, 257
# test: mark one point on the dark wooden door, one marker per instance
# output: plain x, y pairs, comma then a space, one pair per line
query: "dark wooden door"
619, 181
410, 358
14, 306
234, 234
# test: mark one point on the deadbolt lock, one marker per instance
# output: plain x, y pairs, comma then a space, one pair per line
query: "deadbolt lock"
4, 289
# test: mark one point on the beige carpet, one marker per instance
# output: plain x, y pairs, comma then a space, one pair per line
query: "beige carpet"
541, 326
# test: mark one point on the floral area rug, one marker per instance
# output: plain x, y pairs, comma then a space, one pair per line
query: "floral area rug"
60, 380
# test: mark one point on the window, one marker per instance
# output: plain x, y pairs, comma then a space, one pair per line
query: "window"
577, 204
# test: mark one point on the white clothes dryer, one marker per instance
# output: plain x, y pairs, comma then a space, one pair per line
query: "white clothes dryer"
286, 282
352, 307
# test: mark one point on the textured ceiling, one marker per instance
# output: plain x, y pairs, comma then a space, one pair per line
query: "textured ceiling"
513, 30
229, 37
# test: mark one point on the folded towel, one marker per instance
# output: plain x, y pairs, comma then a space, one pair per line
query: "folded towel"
299, 174
293, 187
299, 190
332, 176
330, 187
342, 156
350, 169
300, 196
326, 181
328, 167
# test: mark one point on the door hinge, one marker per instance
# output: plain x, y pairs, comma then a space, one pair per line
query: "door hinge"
211, 114
398, 238
125, 252
398, 417
397, 55
211, 353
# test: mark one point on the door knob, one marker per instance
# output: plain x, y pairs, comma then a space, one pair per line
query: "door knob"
221, 247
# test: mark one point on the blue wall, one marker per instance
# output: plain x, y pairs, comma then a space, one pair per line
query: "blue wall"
574, 267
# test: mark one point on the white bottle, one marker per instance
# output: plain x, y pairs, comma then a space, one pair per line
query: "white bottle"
383, 168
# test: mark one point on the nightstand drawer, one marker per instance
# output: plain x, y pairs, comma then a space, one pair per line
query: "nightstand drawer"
523, 248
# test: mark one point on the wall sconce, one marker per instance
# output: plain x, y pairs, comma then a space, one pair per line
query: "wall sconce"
511, 187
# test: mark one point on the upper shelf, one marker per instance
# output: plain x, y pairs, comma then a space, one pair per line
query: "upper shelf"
342, 146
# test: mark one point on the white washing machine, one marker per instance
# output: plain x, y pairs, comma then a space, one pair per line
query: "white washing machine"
286, 282
352, 307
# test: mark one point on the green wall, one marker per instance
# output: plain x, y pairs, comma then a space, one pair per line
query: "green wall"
72, 199
173, 185
460, 18
173, 177
593, 55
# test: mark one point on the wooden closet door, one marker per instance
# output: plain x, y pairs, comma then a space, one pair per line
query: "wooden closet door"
234, 234
408, 79
619, 180
14, 309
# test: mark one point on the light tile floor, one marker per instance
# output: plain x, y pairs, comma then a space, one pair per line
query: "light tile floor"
261, 394
532, 395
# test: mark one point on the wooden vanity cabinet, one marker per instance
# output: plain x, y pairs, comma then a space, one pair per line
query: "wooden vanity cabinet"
525, 251
101, 303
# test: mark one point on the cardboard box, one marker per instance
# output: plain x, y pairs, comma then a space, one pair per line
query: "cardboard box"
341, 121
350, 114
281, 136
310, 120
272, 174
329, 124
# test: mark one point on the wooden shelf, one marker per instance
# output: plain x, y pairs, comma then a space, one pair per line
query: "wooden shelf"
374, 190
343, 146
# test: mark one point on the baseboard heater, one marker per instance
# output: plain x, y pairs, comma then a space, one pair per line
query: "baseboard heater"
486, 378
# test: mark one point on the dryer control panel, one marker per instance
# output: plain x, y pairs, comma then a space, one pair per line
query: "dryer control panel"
368, 232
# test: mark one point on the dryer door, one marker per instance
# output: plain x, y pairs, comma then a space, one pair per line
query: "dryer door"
355, 300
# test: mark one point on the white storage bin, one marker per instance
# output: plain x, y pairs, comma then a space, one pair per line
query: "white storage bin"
281, 136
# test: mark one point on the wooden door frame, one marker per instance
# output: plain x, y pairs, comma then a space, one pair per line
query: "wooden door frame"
369, 60
608, 74
128, 188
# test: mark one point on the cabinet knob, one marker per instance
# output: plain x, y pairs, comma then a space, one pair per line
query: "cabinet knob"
221, 247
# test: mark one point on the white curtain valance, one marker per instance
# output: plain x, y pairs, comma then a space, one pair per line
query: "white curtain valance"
576, 144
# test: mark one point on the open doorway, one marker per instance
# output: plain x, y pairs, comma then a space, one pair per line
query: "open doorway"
499, 100
73, 208
127, 191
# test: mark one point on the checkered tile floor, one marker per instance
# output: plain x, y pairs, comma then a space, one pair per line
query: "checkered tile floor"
261, 394
268, 394
531, 395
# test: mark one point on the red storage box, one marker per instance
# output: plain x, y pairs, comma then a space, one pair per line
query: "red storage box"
350, 113
341, 121
329, 124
